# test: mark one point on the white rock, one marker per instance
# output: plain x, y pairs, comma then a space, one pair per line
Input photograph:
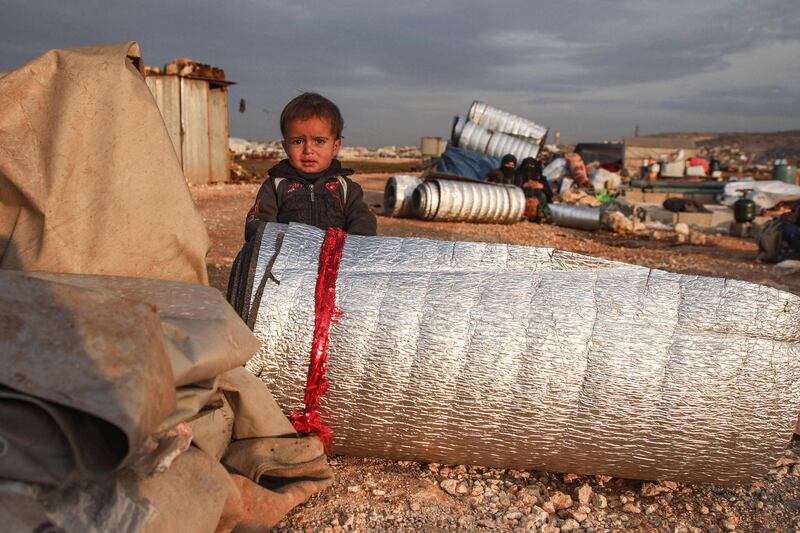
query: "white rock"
585, 494
681, 228
449, 486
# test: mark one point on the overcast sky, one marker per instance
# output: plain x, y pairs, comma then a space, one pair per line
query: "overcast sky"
591, 69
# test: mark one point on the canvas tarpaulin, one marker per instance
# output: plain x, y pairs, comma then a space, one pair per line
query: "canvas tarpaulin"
87, 169
118, 361
533, 358
112, 373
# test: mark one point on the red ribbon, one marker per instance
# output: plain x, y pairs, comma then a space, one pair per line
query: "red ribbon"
309, 420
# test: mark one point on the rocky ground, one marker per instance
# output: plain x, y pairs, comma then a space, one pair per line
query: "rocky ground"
382, 495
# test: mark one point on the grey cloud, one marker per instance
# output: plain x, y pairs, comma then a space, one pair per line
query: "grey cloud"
759, 101
418, 52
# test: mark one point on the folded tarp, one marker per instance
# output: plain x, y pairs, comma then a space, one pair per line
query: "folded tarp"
96, 371
99, 364
533, 358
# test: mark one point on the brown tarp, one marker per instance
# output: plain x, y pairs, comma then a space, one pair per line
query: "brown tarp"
97, 370
89, 180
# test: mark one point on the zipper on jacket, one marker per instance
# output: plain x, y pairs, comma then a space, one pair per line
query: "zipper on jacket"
313, 207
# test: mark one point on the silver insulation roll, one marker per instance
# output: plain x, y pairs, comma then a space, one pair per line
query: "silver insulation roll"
467, 201
532, 358
575, 216
480, 139
502, 121
397, 195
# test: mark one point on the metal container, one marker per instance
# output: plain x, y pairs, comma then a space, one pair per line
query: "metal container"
397, 195
479, 139
744, 210
575, 216
782, 171
463, 201
501, 121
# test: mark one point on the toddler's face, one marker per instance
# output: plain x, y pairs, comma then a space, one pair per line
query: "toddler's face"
310, 144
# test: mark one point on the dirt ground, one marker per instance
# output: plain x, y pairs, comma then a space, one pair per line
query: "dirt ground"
382, 495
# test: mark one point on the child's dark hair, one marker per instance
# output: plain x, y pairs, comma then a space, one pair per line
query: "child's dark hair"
308, 105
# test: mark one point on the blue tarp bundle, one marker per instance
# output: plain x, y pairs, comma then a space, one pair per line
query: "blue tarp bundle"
466, 163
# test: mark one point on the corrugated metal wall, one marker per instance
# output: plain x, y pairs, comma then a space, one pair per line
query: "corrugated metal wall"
196, 117
166, 91
218, 134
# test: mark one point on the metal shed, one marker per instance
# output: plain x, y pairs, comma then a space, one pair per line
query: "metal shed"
193, 99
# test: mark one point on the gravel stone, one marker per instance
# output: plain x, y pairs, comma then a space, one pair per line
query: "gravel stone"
585, 494
599, 501
561, 500
449, 486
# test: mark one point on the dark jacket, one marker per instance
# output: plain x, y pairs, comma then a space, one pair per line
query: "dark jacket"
316, 200
531, 170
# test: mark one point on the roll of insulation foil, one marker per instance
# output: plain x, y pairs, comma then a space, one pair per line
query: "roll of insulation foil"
477, 138
397, 195
533, 358
575, 216
467, 201
498, 120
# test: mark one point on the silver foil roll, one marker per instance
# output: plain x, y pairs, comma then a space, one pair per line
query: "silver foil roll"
397, 195
575, 216
532, 358
478, 138
498, 120
467, 201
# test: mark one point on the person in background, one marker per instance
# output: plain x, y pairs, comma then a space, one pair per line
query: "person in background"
507, 173
538, 193
790, 235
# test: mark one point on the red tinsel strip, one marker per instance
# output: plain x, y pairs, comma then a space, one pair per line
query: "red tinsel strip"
309, 420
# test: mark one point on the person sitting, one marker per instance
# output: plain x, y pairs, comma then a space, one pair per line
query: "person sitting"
790, 235
538, 193
507, 173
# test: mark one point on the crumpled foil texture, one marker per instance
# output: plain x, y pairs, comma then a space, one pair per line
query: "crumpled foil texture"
534, 358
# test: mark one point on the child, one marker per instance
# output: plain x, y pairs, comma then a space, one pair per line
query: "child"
311, 187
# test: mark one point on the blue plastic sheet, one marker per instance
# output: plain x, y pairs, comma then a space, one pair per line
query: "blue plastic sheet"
466, 163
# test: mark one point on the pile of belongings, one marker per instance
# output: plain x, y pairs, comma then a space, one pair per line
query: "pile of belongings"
765, 194
125, 406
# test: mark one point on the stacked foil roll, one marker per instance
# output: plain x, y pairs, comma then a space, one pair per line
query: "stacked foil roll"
498, 120
478, 138
495, 132
453, 200
533, 358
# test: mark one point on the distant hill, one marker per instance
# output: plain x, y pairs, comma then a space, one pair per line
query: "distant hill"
762, 147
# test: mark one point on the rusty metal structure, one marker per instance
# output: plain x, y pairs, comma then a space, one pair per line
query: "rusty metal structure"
193, 100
